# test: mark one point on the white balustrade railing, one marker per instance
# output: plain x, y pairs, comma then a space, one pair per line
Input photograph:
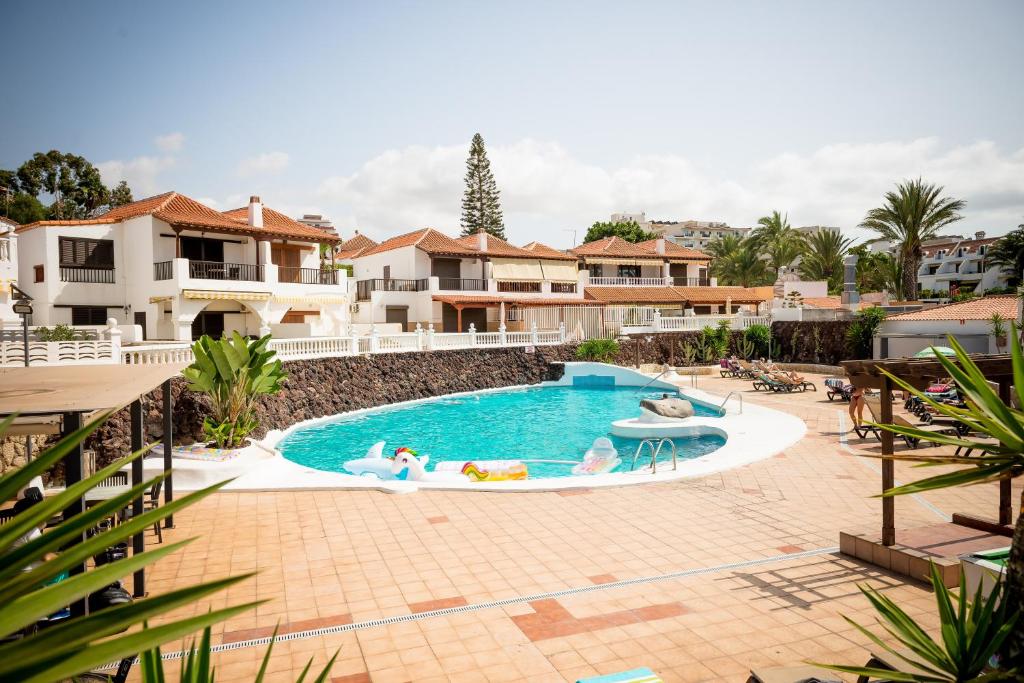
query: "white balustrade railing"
79, 352
693, 323
628, 282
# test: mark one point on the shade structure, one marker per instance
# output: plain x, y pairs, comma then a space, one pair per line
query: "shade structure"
931, 351
516, 269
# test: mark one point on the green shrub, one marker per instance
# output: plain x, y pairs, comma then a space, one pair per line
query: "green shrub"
760, 336
598, 350
59, 333
860, 336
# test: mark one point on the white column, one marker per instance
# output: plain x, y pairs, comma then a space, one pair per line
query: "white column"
353, 341
374, 340
561, 332
534, 339
430, 336
419, 337
113, 333
502, 333
657, 320
472, 334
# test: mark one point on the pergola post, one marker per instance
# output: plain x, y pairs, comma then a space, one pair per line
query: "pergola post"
888, 467
138, 542
168, 444
71, 423
1005, 487
458, 318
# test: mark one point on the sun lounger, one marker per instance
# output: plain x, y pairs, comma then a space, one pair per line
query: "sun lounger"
905, 662
793, 674
899, 418
798, 384
837, 386
641, 675
726, 368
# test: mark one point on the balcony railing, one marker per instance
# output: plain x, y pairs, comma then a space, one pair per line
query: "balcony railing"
563, 287
519, 286
216, 270
628, 281
458, 284
691, 281
365, 287
163, 270
87, 274
307, 276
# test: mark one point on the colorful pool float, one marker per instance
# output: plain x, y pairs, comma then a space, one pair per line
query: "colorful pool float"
497, 470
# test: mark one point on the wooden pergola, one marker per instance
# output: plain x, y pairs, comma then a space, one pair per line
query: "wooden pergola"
921, 373
62, 398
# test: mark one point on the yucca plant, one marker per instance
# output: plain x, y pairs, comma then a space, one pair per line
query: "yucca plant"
986, 416
972, 631
234, 373
29, 566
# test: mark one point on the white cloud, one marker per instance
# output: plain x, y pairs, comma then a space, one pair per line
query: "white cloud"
140, 172
545, 190
171, 142
268, 162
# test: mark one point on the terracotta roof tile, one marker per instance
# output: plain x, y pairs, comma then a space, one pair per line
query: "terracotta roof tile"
973, 309
426, 239
520, 301
823, 301
495, 247
355, 246
673, 250
615, 247
544, 251
179, 210
699, 295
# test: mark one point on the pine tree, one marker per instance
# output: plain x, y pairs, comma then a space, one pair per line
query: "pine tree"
480, 206
121, 195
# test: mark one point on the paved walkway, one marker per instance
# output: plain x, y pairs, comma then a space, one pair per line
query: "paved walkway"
699, 580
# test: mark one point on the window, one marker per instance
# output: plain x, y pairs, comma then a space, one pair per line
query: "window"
86, 252
387, 272
629, 271
981, 250
38, 270
88, 315
594, 269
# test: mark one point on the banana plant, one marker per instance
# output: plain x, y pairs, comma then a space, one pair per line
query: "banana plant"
31, 566
234, 373
971, 632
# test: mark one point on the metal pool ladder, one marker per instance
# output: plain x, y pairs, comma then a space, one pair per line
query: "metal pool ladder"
655, 451
721, 408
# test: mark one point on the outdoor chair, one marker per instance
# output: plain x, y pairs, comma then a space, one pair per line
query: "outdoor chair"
793, 674
726, 368
150, 501
904, 660
745, 370
798, 383
985, 441
837, 386
874, 404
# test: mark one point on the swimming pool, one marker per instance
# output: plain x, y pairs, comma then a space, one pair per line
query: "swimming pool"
548, 427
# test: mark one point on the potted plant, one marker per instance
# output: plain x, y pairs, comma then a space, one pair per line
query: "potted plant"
998, 325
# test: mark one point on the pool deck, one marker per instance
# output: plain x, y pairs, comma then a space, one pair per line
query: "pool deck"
700, 579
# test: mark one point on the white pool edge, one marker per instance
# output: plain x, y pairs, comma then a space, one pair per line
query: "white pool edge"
754, 434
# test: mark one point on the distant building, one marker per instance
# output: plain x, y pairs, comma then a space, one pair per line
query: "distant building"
812, 229
315, 220
695, 234
8, 269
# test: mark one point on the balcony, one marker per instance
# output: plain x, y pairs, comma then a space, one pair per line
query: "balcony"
307, 276
627, 281
563, 287
365, 287
90, 274
457, 284
217, 270
691, 282
163, 270
519, 286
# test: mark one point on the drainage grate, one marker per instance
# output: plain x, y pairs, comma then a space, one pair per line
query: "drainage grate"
401, 618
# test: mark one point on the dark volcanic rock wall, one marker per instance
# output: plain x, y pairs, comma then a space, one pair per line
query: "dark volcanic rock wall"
327, 386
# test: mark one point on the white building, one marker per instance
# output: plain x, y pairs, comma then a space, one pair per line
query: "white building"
426, 277
968, 321
695, 234
178, 269
960, 265
316, 220
8, 270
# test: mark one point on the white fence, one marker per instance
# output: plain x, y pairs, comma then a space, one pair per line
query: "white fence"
81, 352
328, 347
695, 323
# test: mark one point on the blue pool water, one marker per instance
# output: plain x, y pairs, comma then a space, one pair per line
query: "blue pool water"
545, 423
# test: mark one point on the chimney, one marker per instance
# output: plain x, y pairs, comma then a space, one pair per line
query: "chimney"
255, 212
659, 246
980, 235
481, 239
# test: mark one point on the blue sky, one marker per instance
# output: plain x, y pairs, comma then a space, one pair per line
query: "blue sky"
713, 111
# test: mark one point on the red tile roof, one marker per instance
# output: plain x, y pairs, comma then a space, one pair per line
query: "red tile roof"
426, 239
185, 212
698, 295
544, 251
613, 247
973, 309
520, 301
355, 246
674, 251
495, 246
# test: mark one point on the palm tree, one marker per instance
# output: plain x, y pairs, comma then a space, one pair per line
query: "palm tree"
890, 273
735, 261
915, 212
1008, 252
823, 258
777, 241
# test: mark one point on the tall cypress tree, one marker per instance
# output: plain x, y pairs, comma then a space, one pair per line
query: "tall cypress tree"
480, 205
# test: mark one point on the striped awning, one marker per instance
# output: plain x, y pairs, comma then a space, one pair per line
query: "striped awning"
160, 299
220, 295
325, 299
